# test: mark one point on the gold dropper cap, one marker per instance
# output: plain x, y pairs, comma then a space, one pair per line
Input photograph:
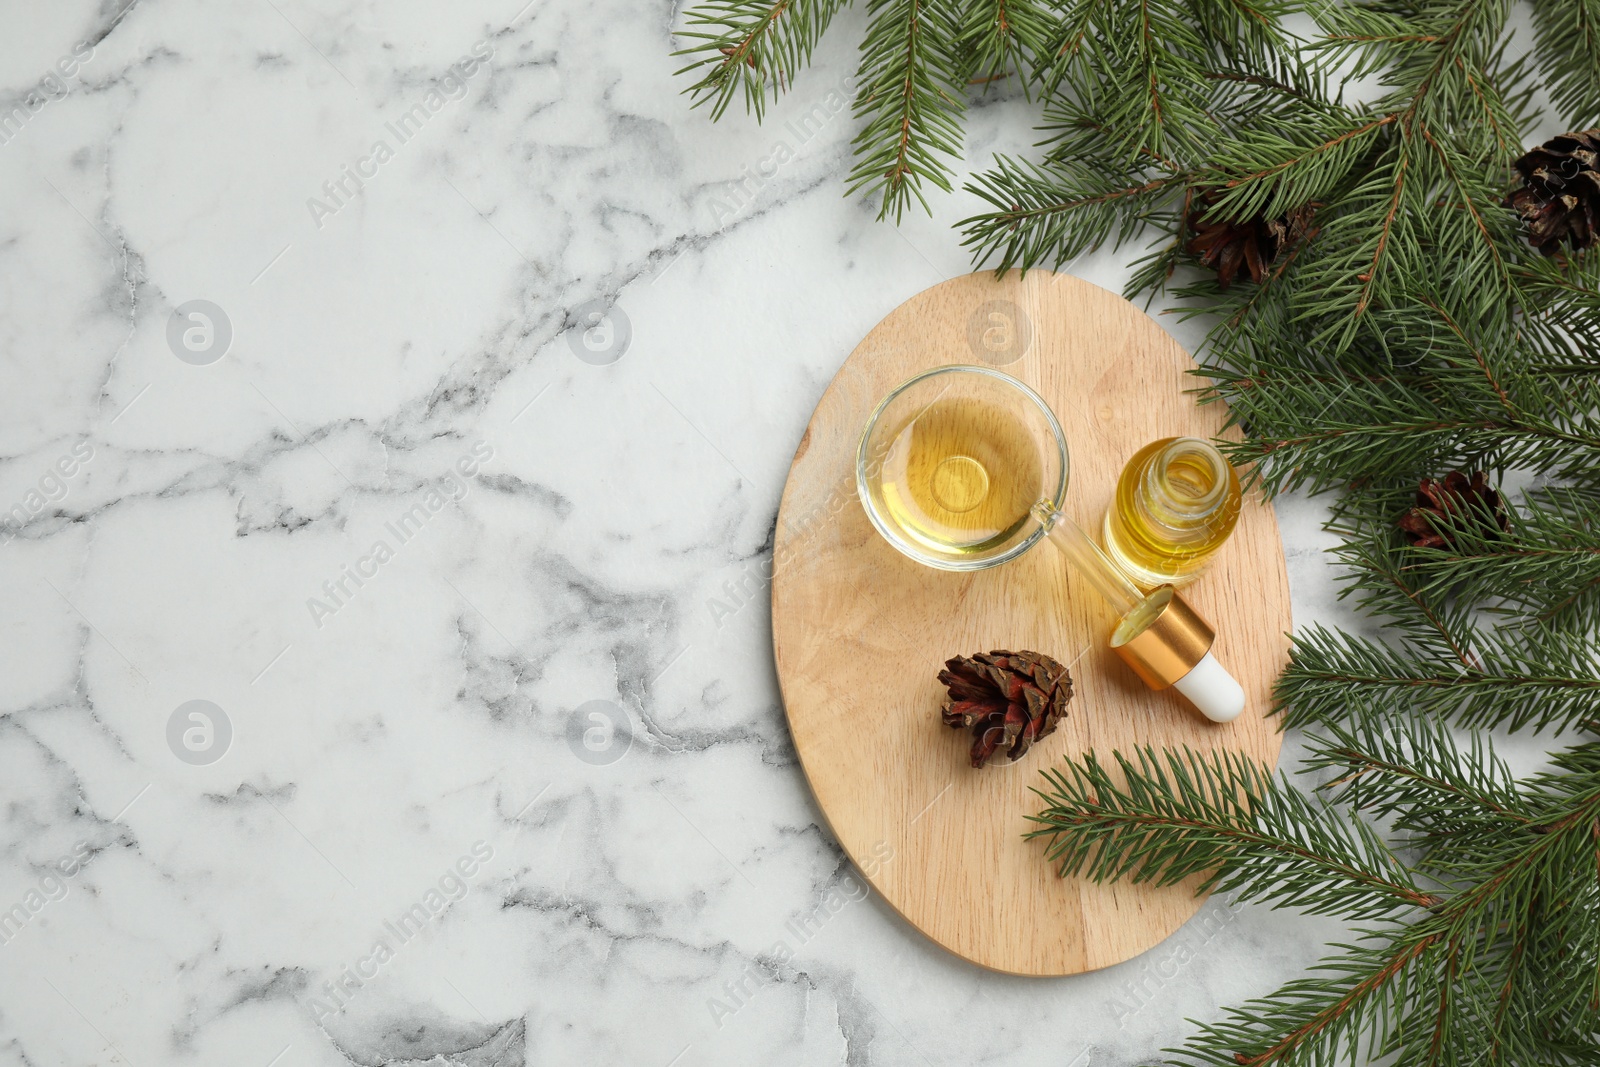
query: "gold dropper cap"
1163, 639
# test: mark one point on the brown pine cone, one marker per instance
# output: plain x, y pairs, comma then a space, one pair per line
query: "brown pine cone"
1007, 699
1225, 245
1459, 502
1560, 196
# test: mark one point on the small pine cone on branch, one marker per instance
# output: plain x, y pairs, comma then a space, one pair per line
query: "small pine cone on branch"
1226, 245
1446, 507
1560, 195
1008, 700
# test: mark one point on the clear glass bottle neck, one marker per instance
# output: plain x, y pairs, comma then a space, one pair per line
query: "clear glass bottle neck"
1185, 484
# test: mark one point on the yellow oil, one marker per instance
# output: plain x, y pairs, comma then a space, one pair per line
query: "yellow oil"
1139, 619
1176, 503
961, 477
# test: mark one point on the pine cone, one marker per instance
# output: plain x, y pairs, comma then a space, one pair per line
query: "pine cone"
1226, 245
1007, 699
1560, 197
1459, 502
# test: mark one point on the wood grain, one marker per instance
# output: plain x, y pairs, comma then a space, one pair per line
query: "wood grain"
860, 631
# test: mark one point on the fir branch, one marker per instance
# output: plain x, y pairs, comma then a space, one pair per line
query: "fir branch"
1140, 66
1383, 586
1472, 187
1063, 211
1318, 430
1567, 47
1414, 772
1076, 36
1537, 889
1547, 682
1223, 818
1008, 37
1269, 172
1547, 569
1347, 1005
751, 47
913, 74
1457, 978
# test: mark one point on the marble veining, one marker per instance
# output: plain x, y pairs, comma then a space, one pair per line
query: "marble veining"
398, 401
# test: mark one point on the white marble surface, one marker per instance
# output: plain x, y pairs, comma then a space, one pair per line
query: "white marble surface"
383, 341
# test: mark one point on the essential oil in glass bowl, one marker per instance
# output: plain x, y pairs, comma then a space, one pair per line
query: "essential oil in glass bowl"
1176, 503
961, 476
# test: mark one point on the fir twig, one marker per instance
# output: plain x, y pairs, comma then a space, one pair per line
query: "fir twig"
1176, 815
914, 69
751, 47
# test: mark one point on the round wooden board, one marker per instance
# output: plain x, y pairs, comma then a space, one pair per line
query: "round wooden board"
860, 631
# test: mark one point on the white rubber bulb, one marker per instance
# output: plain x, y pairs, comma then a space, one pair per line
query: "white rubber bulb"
1210, 687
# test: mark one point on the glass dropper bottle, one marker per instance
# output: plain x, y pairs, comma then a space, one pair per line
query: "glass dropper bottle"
1177, 501
1158, 634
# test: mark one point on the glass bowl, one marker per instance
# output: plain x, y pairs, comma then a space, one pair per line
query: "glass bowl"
936, 503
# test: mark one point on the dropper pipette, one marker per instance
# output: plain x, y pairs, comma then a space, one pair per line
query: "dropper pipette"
1159, 635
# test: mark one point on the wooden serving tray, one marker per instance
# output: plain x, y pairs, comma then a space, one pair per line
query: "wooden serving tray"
860, 631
